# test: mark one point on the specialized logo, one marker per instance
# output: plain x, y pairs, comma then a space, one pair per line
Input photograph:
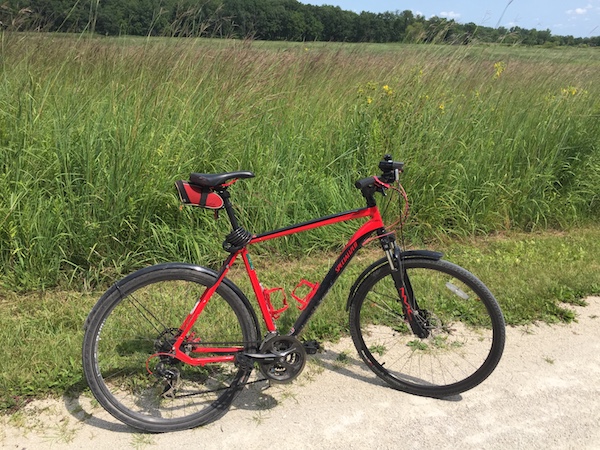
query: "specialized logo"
346, 257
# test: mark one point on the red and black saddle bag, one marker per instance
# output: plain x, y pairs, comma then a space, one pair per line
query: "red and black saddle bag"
204, 197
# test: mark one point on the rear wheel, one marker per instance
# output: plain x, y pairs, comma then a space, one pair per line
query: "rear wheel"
464, 323
130, 332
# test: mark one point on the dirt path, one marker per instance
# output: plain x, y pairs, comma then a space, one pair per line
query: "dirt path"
544, 394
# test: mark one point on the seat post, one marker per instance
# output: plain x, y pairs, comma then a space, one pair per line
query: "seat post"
229, 208
239, 237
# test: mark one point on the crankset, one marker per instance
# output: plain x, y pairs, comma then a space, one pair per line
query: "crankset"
289, 358
280, 358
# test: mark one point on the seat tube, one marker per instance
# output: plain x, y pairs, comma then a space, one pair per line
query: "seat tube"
258, 292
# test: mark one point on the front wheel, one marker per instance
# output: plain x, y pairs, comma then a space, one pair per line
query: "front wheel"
128, 340
465, 327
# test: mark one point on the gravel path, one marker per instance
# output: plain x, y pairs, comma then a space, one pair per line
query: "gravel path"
544, 394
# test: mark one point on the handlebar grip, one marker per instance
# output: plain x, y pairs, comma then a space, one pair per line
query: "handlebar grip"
364, 182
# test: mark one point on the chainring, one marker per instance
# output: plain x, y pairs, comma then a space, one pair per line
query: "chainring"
290, 358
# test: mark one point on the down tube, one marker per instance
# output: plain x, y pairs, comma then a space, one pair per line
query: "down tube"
336, 270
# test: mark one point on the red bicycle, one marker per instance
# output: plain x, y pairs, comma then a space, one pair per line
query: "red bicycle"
170, 346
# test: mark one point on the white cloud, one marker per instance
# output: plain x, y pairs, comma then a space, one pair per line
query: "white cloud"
579, 11
450, 15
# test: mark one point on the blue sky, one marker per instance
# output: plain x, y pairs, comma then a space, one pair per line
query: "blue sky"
580, 18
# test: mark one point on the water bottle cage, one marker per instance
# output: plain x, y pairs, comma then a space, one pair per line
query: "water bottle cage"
302, 301
275, 313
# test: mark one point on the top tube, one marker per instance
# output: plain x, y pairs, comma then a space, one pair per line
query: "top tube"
315, 223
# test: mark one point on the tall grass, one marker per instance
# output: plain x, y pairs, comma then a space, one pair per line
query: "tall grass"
93, 133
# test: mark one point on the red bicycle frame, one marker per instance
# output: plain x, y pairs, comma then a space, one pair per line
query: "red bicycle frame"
374, 224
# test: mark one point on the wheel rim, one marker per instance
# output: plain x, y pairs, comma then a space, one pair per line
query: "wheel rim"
136, 377
458, 353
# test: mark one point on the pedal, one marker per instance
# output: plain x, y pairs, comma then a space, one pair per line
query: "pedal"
312, 347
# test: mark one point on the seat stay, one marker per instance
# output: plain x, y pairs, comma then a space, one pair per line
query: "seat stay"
195, 312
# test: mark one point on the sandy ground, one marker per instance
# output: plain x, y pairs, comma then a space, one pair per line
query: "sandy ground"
544, 394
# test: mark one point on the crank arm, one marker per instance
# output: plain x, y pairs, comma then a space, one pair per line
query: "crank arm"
270, 357
261, 357
247, 360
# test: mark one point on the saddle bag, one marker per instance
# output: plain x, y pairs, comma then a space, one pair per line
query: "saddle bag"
193, 195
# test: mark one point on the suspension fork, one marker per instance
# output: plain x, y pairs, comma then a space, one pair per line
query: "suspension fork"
416, 319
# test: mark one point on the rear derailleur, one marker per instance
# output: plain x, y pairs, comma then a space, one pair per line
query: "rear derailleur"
165, 370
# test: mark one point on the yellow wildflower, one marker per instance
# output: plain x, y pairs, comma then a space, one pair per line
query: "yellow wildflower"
499, 67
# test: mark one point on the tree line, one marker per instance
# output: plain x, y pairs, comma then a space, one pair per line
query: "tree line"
273, 20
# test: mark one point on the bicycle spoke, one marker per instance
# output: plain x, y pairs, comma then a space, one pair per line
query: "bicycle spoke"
141, 308
458, 351
133, 372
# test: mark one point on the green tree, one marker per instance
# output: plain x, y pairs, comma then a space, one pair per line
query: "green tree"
415, 33
259, 19
337, 24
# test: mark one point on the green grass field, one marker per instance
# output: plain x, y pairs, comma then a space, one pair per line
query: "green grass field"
501, 145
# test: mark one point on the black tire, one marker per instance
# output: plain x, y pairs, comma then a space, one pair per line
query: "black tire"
125, 328
466, 325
